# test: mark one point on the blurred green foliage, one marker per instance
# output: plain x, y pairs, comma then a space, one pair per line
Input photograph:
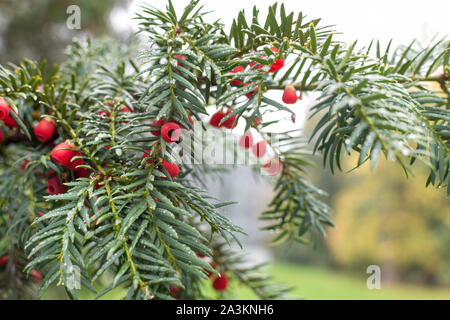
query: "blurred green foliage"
36, 29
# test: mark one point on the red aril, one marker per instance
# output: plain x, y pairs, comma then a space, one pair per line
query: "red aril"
246, 141
289, 95
259, 149
45, 129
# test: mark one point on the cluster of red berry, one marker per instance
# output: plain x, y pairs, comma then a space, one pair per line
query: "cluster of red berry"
271, 166
259, 149
67, 154
104, 114
170, 132
44, 131
277, 65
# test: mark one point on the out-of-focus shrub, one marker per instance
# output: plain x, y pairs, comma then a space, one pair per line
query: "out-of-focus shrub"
37, 29
384, 219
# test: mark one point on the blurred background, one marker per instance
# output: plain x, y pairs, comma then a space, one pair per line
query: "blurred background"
381, 217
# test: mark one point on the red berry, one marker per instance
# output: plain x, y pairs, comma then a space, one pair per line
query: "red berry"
216, 118
200, 255
63, 157
97, 186
54, 186
179, 57
10, 123
277, 65
36, 276
289, 95
40, 213
125, 109
156, 127
260, 149
73, 164
1, 136
45, 129
103, 114
3, 260
230, 121
256, 122
221, 283
237, 70
274, 49
272, 166
246, 140
23, 165
5, 108
171, 168
251, 94
82, 172
173, 291
171, 132
254, 66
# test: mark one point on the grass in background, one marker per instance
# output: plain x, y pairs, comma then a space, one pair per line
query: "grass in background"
318, 283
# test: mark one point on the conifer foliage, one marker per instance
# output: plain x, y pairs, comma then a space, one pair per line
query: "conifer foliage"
90, 183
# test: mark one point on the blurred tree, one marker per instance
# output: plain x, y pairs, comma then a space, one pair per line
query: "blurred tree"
384, 220
37, 28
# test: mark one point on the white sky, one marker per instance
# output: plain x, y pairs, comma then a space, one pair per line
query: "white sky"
403, 20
